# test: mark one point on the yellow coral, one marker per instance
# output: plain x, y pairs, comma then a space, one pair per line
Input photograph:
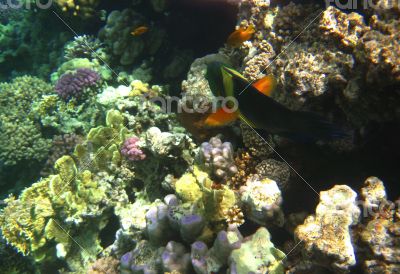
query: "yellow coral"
197, 187
187, 188
23, 221
81, 8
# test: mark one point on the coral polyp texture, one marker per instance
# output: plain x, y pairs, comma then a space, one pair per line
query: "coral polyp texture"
131, 150
73, 85
217, 158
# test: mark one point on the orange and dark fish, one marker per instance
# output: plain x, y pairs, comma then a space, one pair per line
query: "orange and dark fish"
258, 110
240, 35
140, 30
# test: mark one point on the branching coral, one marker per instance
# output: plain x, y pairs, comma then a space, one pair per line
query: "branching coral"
20, 130
73, 85
217, 158
131, 150
84, 46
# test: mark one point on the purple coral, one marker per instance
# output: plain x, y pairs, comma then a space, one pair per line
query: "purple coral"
217, 158
130, 149
72, 85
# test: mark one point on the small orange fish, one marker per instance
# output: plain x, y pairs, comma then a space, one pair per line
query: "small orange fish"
241, 35
140, 30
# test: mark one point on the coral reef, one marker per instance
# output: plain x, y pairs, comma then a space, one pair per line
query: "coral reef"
85, 46
326, 236
20, 130
274, 170
125, 48
125, 187
106, 265
217, 158
262, 200
73, 85
131, 150
82, 8
379, 235
61, 145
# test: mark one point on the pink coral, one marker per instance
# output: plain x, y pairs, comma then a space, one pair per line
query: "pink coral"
131, 150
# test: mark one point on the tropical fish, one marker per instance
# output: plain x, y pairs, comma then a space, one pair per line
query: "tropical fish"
140, 30
260, 111
241, 35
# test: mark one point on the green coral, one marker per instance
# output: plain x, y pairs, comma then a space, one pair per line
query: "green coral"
20, 130
46, 210
196, 187
69, 205
257, 254
25, 48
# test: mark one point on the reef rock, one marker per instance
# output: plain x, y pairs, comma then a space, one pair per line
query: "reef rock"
325, 236
379, 234
262, 200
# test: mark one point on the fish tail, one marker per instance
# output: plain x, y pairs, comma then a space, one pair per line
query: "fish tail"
311, 127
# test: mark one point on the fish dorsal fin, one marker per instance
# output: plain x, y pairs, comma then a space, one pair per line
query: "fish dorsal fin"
247, 121
227, 82
221, 118
234, 73
265, 85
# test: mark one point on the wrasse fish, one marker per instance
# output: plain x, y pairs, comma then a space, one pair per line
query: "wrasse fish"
257, 109
140, 30
241, 35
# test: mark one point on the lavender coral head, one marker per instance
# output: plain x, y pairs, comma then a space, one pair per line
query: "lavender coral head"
131, 150
72, 85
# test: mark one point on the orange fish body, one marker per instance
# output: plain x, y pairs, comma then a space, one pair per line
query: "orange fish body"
140, 30
241, 35
221, 118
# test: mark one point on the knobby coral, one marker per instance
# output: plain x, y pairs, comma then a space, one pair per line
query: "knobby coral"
73, 85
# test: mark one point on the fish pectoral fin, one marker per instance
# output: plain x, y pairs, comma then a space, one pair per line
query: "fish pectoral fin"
266, 85
221, 118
